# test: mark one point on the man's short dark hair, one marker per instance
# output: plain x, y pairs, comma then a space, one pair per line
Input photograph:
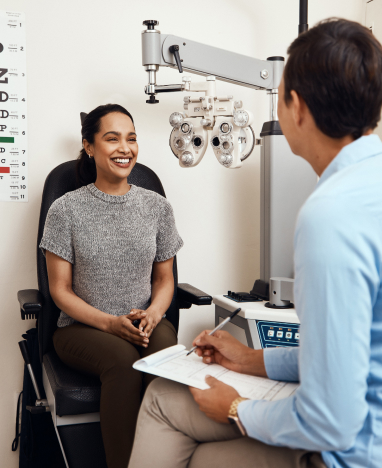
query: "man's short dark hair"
336, 68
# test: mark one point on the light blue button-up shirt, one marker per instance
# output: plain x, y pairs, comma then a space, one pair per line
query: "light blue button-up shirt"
337, 409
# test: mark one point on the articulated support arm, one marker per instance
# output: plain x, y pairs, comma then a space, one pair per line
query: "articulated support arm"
159, 50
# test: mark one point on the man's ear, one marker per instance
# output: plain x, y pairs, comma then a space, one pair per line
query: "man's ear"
297, 108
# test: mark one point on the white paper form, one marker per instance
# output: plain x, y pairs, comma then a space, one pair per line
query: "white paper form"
174, 364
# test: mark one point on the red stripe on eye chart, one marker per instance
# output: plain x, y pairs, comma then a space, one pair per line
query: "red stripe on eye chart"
5, 170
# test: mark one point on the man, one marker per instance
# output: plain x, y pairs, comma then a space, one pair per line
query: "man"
329, 102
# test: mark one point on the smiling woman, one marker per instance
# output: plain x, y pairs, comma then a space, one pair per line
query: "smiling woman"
109, 249
109, 141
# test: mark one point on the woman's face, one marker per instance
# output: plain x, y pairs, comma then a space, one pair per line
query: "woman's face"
115, 147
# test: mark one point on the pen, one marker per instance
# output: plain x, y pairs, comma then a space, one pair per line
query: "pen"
221, 325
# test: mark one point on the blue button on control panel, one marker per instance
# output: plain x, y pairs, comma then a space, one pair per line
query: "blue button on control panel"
273, 334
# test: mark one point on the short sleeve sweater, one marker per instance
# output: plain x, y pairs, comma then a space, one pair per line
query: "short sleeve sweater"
112, 242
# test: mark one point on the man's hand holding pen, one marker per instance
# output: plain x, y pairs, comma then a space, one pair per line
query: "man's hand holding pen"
222, 348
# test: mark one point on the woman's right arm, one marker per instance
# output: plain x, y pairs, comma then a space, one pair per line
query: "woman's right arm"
60, 287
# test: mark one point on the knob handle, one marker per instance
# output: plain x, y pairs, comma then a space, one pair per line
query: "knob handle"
150, 24
205, 122
174, 49
152, 100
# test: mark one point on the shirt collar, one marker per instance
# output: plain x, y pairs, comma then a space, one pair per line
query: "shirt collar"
360, 149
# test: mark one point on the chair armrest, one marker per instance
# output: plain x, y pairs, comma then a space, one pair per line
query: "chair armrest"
31, 302
188, 295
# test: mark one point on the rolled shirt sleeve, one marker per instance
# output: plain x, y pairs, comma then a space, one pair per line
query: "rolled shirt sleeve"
282, 363
57, 236
168, 240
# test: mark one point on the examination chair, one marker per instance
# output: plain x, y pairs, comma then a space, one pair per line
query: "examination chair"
74, 398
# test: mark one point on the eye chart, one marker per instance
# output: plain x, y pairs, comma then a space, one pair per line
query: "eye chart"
13, 108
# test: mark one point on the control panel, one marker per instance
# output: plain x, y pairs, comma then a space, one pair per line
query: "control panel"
274, 334
241, 297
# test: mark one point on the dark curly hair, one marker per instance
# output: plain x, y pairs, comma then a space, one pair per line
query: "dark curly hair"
86, 171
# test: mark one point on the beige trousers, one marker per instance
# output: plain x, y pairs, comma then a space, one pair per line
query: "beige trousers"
173, 433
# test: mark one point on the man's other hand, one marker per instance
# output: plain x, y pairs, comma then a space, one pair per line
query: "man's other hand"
216, 401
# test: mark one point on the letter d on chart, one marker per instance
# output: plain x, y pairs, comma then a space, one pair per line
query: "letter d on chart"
3, 96
3, 114
2, 150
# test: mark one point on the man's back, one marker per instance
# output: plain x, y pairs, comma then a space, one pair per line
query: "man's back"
339, 300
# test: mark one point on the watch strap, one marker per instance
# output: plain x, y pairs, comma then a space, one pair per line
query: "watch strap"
233, 416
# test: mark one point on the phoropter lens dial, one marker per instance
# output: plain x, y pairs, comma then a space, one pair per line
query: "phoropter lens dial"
197, 142
215, 142
225, 127
180, 143
226, 146
240, 118
186, 128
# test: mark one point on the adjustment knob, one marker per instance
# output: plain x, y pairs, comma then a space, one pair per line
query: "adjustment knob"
150, 24
152, 100
205, 123
240, 118
226, 160
187, 158
176, 119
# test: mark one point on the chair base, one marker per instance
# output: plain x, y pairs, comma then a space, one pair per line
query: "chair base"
82, 445
79, 435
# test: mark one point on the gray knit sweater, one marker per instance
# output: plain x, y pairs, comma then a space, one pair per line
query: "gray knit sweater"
112, 242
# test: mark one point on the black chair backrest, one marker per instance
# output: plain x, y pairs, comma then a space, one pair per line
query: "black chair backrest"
60, 181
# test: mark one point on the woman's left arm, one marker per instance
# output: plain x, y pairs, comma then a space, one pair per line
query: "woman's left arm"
162, 291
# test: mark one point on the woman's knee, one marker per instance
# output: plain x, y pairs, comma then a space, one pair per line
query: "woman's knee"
163, 336
121, 363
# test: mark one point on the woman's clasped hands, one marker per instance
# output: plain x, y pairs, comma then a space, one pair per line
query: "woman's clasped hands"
123, 327
149, 319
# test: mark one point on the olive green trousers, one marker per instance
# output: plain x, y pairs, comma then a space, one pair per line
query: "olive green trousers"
92, 351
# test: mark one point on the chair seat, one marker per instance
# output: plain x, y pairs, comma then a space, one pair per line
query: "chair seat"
74, 392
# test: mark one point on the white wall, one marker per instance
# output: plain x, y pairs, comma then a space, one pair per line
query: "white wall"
84, 53
372, 18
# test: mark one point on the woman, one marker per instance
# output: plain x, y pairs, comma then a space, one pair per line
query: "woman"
109, 250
